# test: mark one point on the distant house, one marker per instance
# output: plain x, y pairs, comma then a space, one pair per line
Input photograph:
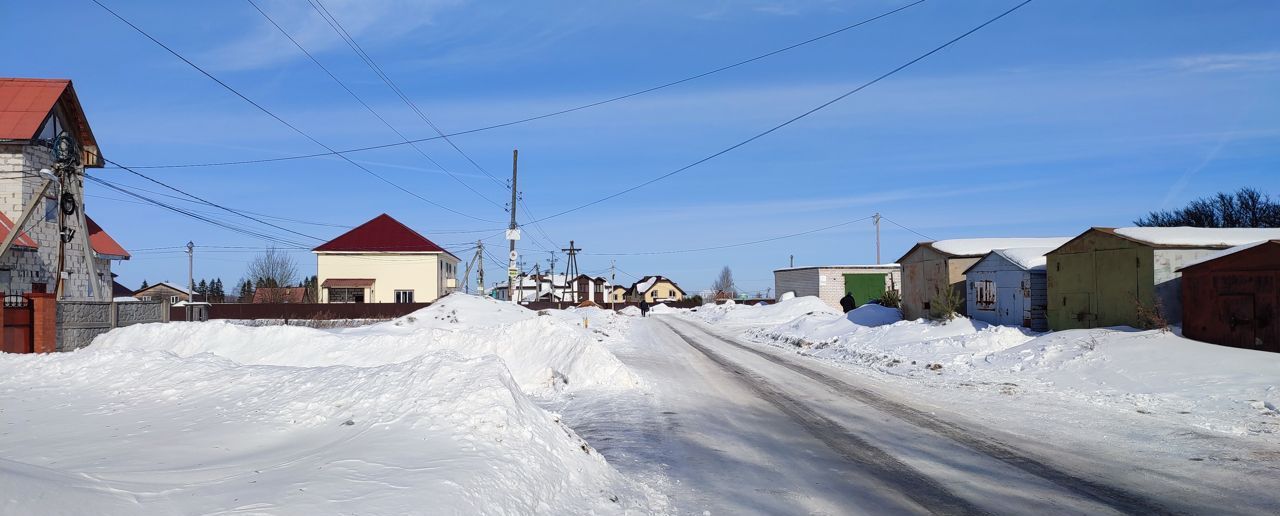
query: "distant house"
280, 295
1112, 276
555, 287
655, 289
1232, 297
37, 115
588, 288
831, 282
929, 269
165, 291
383, 261
1008, 287
617, 294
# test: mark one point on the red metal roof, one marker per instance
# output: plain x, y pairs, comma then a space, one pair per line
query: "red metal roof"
25, 103
382, 234
102, 243
347, 282
22, 240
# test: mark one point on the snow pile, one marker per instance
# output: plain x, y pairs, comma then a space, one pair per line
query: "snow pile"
662, 308
1199, 237
1210, 387
874, 315
981, 246
630, 311
545, 355
129, 431
776, 313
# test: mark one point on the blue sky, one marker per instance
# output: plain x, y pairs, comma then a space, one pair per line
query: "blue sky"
1061, 116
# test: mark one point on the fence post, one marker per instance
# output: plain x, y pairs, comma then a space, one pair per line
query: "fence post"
164, 307
44, 322
115, 315
3, 344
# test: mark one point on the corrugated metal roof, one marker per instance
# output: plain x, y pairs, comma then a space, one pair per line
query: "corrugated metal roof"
347, 283
382, 234
102, 243
22, 240
25, 103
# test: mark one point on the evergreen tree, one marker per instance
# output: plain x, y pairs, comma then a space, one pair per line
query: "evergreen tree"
246, 291
216, 294
144, 285
203, 290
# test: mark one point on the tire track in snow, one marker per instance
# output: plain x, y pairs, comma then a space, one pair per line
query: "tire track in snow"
887, 469
1116, 498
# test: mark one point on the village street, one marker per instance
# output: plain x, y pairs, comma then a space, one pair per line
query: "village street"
732, 427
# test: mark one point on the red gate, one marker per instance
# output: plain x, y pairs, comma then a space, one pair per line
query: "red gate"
17, 335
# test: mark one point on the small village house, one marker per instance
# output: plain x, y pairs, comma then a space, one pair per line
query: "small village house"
384, 261
587, 288
37, 115
292, 295
1130, 276
617, 294
556, 288
165, 291
655, 289
1232, 297
1008, 287
934, 271
831, 282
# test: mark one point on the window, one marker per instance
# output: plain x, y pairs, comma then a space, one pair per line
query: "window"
50, 209
985, 295
146, 298
404, 296
173, 299
346, 295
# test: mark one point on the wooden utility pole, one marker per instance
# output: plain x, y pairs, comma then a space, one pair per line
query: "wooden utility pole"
480, 265
876, 219
613, 276
570, 270
191, 271
513, 231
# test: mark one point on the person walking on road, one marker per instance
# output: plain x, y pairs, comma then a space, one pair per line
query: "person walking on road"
644, 308
847, 303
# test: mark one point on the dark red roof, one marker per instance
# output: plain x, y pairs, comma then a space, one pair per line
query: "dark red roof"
22, 240
102, 243
382, 234
25, 103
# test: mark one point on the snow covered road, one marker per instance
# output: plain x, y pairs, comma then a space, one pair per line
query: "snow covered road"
731, 428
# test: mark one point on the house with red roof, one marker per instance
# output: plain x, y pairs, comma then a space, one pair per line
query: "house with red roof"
384, 261
47, 243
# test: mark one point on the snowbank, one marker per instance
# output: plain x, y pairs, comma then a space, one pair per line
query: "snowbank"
545, 355
776, 313
125, 431
874, 315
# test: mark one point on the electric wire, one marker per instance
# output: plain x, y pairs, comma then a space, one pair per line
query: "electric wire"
926, 237
282, 120
559, 112
792, 120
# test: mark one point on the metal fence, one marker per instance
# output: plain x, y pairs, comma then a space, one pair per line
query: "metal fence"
80, 321
305, 311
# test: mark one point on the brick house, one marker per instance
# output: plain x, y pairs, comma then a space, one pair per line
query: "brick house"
37, 117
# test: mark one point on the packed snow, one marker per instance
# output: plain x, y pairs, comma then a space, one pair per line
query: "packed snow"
1199, 237
1028, 258
981, 246
1216, 388
432, 412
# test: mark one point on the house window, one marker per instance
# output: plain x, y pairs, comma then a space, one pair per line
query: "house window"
173, 299
985, 295
146, 298
346, 295
50, 209
404, 296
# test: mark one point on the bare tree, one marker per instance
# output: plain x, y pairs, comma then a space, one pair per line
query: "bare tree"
723, 286
1246, 208
272, 270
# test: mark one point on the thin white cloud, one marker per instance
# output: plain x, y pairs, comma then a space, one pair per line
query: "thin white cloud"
1208, 63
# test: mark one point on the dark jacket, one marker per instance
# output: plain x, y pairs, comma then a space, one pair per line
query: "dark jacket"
848, 303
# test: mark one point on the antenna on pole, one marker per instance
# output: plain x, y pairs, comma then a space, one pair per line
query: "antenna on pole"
876, 219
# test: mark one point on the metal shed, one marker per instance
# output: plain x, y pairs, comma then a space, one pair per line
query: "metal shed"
1008, 287
1232, 297
830, 282
1106, 276
930, 268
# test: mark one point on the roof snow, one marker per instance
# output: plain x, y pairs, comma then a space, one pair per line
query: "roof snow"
1199, 237
1029, 258
647, 284
1225, 252
982, 246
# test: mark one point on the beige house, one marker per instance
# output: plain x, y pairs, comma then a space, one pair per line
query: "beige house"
383, 261
655, 289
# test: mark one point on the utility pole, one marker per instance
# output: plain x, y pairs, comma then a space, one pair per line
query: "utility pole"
876, 219
513, 231
613, 277
191, 269
480, 265
570, 268
793, 261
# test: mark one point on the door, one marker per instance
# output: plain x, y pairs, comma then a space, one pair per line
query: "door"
16, 334
1118, 272
1239, 320
864, 287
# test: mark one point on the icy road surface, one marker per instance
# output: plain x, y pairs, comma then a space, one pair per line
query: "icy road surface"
734, 428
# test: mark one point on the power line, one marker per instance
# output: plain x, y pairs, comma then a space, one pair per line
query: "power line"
739, 244
926, 237
559, 112
279, 119
792, 119
366, 105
